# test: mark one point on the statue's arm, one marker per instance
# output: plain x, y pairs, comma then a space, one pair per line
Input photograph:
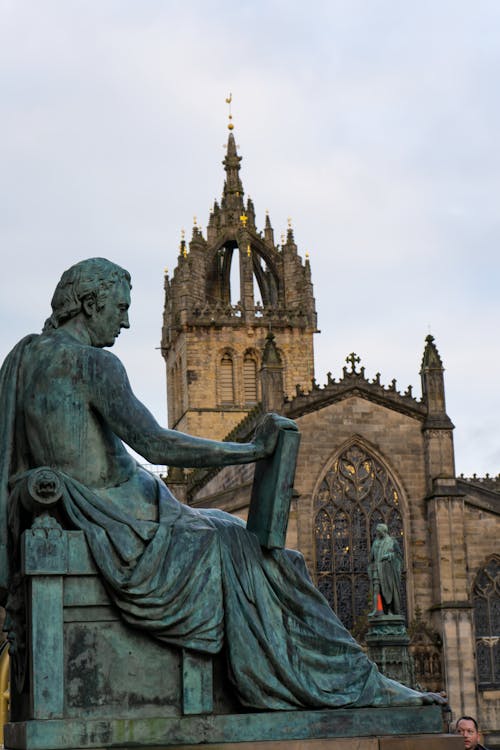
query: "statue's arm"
112, 396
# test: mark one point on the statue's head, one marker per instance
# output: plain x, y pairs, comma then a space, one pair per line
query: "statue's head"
88, 281
381, 529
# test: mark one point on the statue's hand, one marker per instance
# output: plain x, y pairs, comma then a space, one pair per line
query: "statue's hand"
266, 434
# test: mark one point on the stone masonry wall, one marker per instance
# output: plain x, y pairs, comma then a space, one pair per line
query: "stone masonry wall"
198, 409
394, 437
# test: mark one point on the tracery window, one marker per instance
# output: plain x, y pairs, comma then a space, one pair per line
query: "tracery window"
226, 379
355, 495
486, 600
250, 379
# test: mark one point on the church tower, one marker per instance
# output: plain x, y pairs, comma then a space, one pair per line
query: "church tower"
231, 289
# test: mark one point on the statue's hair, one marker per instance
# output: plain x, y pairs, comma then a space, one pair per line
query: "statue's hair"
91, 278
384, 526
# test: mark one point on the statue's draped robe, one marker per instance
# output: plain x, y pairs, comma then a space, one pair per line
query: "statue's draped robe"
199, 580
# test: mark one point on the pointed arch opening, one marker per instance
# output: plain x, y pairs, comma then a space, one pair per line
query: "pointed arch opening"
224, 277
486, 601
265, 280
356, 493
233, 293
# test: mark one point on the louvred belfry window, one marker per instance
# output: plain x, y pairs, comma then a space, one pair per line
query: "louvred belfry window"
250, 380
227, 380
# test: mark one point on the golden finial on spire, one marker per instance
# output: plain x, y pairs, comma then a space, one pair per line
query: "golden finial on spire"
249, 250
195, 221
166, 271
289, 222
282, 239
229, 99
307, 256
184, 251
183, 234
244, 219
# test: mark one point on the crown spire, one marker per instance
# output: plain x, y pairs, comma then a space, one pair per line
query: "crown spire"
233, 189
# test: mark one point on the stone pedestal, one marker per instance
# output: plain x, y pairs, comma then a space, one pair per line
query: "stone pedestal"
94, 683
392, 728
387, 640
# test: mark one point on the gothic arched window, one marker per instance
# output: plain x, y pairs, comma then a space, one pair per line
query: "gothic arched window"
355, 495
486, 600
227, 379
250, 379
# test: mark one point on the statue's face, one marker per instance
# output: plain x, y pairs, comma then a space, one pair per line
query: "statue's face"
380, 531
104, 325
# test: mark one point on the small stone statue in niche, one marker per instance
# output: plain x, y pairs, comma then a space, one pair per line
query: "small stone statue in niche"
384, 570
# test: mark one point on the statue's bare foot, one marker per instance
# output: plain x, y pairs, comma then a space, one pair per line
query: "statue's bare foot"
441, 700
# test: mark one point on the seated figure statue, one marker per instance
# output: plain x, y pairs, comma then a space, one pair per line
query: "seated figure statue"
196, 579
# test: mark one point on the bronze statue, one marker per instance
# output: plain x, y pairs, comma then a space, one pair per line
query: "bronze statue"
384, 570
197, 579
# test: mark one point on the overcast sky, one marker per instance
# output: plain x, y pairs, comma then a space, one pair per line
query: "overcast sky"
374, 125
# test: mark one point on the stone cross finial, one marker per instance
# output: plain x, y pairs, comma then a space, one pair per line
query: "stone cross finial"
353, 359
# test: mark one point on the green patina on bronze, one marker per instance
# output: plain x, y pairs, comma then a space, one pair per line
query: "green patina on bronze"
197, 583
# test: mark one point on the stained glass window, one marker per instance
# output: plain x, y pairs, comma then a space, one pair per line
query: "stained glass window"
486, 600
355, 495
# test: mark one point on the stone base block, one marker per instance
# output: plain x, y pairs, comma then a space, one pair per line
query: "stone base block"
300, 728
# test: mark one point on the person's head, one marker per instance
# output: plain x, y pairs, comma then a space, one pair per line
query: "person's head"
381, 530
468, 728
99, 291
